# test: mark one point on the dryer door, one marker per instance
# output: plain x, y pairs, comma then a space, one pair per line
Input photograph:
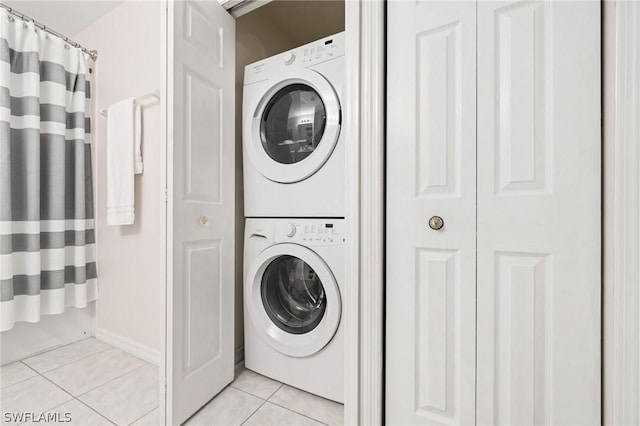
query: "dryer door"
293, 299
294, 126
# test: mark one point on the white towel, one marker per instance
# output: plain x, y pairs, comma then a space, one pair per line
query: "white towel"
123, 160
137, 143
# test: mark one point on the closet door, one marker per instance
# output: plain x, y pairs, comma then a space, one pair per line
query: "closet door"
201, 146
539, 213
431, 171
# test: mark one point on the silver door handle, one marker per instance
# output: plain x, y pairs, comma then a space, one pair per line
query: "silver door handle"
436, 223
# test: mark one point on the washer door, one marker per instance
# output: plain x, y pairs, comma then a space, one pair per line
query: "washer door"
293, 299
294, 127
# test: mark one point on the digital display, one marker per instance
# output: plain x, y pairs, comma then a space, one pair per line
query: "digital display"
329, 225
328, 42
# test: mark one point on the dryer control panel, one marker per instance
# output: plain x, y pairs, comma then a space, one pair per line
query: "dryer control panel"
304, 56
312, 232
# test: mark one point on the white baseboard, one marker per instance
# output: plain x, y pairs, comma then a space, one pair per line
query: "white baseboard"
144, 352
239, 357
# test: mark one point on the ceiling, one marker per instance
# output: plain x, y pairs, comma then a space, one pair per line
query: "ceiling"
66, 17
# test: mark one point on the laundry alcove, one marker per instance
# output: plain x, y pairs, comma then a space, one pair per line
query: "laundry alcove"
207, 50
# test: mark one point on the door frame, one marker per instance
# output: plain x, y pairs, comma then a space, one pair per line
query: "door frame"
363, 299
364, 294
166, 181
621, 204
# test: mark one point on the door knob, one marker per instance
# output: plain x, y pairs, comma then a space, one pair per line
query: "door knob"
204, 220
436, 223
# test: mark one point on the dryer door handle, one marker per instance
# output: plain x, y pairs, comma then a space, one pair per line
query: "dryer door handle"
254, 235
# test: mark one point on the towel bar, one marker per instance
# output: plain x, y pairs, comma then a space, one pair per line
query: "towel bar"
153, 94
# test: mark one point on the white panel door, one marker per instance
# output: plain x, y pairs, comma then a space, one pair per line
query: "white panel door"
201, 146
431, 171
539, 213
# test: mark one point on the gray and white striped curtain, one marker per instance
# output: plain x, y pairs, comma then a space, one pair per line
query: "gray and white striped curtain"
47, 240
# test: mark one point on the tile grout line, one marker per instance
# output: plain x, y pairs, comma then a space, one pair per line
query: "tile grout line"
291, 411
107, 382
58, 347
264, 401
302, 414
52, 408
68, 393
268, 399
65, 391
275, 391
95, 411
145, 414
194, 415
77, 398
23, 380
64, 365
251, 394
297, 412
73, 397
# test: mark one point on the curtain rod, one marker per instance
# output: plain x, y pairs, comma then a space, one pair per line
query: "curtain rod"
92, 53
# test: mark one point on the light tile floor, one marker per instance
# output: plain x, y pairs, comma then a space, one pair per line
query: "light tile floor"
94, 382
252, 399
100, 385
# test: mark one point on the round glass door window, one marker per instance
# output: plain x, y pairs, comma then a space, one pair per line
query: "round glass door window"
293, 123
293, 295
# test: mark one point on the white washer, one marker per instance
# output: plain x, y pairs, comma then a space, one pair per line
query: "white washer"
293, 149
293, 274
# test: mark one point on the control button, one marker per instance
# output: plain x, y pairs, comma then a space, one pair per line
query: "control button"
289, 58
306, 229
291, 230
313, 228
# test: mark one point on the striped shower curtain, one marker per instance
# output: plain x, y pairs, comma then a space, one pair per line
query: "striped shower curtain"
47, 240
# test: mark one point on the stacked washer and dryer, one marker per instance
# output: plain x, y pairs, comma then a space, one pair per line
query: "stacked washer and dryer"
294, 198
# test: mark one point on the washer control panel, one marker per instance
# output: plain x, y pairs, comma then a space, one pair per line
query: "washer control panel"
312, 232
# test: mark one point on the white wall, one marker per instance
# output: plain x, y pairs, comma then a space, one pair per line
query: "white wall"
128, 40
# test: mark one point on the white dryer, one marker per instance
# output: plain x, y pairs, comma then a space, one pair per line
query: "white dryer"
293, 274
293, 149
